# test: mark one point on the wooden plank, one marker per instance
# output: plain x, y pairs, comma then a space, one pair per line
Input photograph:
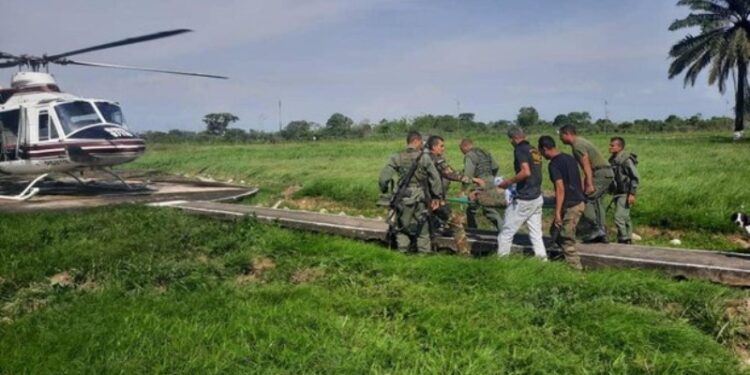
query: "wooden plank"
721, 267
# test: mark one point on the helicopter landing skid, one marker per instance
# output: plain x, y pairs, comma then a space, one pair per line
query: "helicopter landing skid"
94, 184
28, 192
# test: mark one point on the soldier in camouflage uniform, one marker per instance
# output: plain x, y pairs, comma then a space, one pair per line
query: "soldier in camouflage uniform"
597, 175
420, 198
480, 164
624, 187
455, 221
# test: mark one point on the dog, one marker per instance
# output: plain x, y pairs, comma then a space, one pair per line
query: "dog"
741, 220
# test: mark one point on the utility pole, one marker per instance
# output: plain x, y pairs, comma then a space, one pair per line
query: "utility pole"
458, 114
606, 110
261, 119
279, 114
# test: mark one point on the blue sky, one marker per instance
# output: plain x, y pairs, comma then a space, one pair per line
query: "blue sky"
367, 59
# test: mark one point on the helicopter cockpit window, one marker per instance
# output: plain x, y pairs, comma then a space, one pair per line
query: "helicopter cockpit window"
111, 112
76, 115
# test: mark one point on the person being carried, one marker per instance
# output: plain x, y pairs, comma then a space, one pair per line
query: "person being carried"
624, 187
569, 198
527, 205
417, 195
455, 221
597, 176
479, 164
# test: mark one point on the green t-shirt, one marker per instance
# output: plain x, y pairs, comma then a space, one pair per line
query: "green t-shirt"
583, 147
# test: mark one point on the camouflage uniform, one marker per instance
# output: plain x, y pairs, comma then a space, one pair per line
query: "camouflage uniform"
479, 163
594, 214
411, 222
567, 239
625, 182
454, 220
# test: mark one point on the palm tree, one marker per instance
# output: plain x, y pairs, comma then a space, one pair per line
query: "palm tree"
723, 43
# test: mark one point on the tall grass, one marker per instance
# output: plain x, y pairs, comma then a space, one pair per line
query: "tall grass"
690, 181
155, 291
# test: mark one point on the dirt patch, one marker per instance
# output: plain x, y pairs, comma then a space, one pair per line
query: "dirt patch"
255, 272
738, 313
62, 280
307, 275
262, 264
88, 286
290, 191
740, 240
316, 204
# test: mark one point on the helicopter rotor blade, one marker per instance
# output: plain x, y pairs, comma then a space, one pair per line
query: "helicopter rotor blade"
9, 64
102, 65
6, 55
13, 60
138, 39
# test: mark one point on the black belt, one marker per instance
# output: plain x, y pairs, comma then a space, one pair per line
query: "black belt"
602, 167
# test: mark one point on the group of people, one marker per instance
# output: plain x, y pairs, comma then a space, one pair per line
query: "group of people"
418, 207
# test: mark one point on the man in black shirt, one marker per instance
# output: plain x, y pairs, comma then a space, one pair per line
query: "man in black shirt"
569, 197
527, 205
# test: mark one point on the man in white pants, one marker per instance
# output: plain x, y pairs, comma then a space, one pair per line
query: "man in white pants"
527, 205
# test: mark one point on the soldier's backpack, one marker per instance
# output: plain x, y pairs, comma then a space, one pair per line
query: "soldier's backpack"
621, 182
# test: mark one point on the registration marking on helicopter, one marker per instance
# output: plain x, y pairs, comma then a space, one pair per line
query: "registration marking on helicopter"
47, 151
111, 146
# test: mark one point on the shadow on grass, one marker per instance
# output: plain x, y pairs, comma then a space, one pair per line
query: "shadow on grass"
726, 140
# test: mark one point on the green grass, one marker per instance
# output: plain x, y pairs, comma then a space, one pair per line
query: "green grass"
160, 292
691, 181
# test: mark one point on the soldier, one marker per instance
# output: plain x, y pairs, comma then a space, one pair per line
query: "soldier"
455, 221
569, 198
419, 188
597, 176
624, 187
480, 164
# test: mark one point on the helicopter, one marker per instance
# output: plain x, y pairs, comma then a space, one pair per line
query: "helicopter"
44, 130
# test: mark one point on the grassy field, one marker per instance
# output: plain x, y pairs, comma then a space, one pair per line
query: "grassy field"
153, 291
691, 181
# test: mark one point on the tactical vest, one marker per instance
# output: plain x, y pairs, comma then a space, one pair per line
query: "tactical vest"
405, 161
621, 182
482, 161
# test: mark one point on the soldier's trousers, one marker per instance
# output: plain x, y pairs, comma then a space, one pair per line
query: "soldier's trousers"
593, 221
492, 214
622, 218
414, 228
567, 239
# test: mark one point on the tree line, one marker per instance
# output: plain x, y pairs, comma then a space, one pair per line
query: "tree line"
339, 126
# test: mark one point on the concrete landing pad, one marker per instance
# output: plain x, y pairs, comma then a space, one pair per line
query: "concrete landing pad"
66, 193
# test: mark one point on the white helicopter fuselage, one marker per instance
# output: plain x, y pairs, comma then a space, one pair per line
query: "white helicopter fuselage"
45, 130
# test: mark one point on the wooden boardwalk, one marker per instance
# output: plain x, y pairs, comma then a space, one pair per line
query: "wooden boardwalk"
722, 267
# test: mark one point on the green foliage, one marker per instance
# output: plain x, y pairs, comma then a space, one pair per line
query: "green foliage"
217, 123
298, 130
159, 292
527, 117
338, 125
723, 44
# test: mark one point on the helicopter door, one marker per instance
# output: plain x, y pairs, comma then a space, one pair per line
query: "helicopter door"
9, 131
47, 130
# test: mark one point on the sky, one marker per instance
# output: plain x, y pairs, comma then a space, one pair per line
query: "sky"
369, 60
